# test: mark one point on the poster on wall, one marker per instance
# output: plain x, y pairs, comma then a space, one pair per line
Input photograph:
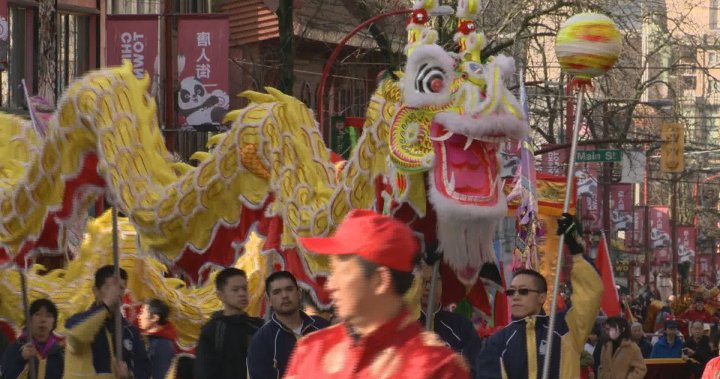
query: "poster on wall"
203, 46
4, 34
134, 38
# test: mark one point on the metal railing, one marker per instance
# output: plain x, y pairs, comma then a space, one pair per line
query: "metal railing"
185, 142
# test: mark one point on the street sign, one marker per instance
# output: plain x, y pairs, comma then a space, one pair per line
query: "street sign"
598, 156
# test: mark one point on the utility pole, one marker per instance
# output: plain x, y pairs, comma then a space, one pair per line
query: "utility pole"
648, 249
607, 177
169, 73
287, 46
673, 234
646, 223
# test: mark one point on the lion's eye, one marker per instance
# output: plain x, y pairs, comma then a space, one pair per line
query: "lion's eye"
430, 79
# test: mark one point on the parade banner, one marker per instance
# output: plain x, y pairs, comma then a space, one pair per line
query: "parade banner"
686, 235
708, 198
4, 34
621, 201
660, 233
554, 162
547, 252
550, 193
134, 38
203, 48
589, 195
703, 265
637, 237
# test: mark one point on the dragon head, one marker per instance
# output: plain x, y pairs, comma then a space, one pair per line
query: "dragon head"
455, 113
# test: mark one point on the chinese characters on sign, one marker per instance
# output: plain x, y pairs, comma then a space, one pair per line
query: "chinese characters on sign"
202, 70
638, 230
554, 161
589, 195
621, 201
660, 233
686, 243
134, 38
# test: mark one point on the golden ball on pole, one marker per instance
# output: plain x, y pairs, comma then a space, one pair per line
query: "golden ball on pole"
588, 45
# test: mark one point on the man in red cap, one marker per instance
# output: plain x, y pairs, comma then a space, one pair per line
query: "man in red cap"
371, 260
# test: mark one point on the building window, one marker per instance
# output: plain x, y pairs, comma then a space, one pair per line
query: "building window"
713, 86
73, 48
712, 60
689, 82
192, 6
12, 94
133, 6
714, 13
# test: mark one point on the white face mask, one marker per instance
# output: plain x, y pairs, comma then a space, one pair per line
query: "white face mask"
613, 333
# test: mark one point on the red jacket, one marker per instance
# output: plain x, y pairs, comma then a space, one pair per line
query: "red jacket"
695, 315
398, 349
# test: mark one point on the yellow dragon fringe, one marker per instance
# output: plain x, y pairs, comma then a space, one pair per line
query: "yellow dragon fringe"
165, 216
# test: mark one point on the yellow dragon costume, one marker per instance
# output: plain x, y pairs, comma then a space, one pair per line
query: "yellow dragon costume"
427, 155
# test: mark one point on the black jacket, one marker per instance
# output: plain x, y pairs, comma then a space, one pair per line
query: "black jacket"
645, 347
702, 349
13, 363
272, 345
458, 333
223, 346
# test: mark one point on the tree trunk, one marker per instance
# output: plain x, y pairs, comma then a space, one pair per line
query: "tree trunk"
48, 41
363, 13
287, 46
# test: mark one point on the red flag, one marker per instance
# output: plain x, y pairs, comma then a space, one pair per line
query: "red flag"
610, 303
501, 314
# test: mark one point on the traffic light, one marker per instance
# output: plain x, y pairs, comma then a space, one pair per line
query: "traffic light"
672, 148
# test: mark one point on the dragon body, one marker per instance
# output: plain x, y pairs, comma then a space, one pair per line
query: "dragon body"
427, 154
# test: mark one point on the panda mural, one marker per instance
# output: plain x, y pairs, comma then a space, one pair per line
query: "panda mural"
198, 106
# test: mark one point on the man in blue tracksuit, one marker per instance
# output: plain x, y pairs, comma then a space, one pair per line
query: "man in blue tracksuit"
518, 350
90, 343
273, 343
454, 329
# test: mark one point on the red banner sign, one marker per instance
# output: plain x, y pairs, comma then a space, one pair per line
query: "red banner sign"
703, 268
4, 34
134, 38
621, 203
203, 46
686, 236
660, 233
637, 238
589, 194
554, 162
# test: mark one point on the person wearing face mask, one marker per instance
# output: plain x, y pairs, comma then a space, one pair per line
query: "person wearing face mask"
621, 358
39, 344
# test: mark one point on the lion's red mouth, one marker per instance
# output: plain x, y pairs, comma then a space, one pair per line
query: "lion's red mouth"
466, 169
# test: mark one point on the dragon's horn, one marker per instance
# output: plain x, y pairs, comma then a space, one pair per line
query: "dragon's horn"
214, 140
468, 9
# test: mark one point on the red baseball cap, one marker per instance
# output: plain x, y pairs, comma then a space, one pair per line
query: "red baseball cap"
379, 239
